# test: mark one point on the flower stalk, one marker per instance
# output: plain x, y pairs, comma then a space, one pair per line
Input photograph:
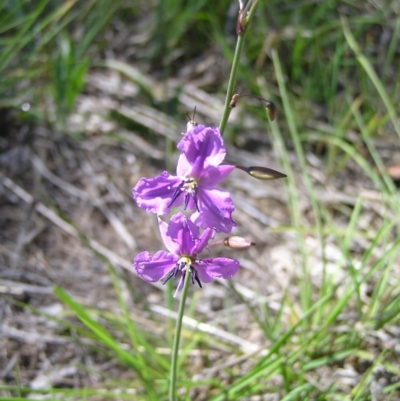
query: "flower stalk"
231, 84
245, 15
177, 337
208, 208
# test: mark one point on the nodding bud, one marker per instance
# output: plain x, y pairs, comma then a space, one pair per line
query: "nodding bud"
238, 242
272, 111
262, 173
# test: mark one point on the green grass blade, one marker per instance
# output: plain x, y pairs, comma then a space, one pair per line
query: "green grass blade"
373, 76
105, 338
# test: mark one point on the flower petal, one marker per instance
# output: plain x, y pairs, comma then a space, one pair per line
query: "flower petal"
154, 268
211, 268
202, 242
216, 208
184, 232
170, 243
213, 175
183, 167
155, 194
202, 147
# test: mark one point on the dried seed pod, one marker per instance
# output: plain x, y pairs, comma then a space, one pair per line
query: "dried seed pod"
235, 98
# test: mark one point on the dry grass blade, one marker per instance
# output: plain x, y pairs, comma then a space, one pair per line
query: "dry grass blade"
156, 121
243, 344
58, 221
15, 288
117, 224
32, 337
141, 144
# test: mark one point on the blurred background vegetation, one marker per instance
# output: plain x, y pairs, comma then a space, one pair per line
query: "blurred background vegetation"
48, 48
90, 74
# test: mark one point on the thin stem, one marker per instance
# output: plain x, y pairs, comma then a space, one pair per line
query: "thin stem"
252, 10
170, 305
251, 7
175, 345
232, 81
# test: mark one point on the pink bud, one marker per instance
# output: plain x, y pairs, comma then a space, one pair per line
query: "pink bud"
237, 242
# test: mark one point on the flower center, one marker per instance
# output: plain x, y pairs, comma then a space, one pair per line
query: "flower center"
183, 265
186, 261
190, 186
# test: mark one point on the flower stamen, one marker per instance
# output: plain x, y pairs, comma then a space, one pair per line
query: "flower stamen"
195, 277
176, 194
183, 265
190, 186
171, 274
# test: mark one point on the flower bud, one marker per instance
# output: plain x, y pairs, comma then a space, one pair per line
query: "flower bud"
262, 173
237, 242
272, 111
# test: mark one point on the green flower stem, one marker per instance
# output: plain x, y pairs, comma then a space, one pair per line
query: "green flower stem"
175, 345
231, 83
235, 64
252, 9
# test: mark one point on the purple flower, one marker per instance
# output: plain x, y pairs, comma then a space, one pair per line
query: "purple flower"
198, 171
182, 239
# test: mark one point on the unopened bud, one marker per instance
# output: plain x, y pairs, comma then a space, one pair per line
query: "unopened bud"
262, 173
272, 111
237, 242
